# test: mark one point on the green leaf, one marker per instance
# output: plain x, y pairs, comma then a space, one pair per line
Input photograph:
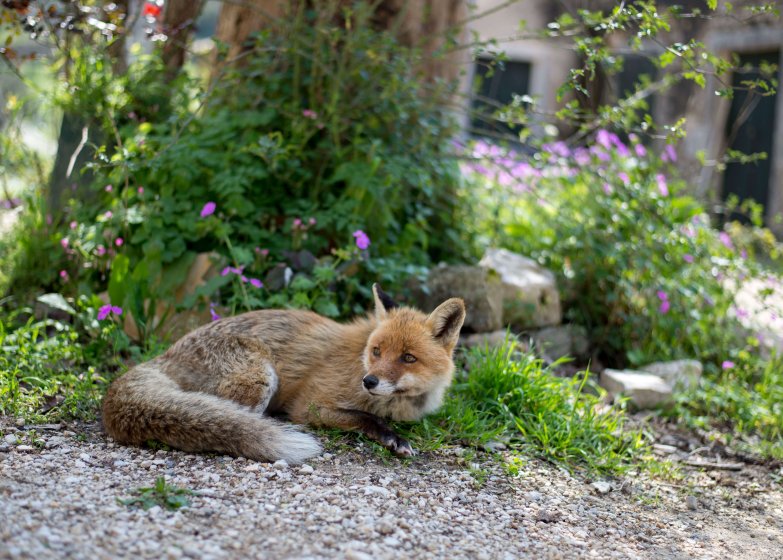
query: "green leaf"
57, 301
118, 280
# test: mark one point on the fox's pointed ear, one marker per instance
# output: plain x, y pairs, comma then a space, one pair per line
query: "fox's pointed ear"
383, 303
446, 322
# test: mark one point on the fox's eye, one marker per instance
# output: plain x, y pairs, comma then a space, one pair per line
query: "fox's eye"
376, 351
408, 358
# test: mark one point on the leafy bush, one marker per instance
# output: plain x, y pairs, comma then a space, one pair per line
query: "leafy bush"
637, 261
323, 132
49, 368
502, 394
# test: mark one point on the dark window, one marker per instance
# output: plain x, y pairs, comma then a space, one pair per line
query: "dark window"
750, 130
497, 84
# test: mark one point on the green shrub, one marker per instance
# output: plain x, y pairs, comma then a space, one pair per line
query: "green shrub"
324, 131
637, 260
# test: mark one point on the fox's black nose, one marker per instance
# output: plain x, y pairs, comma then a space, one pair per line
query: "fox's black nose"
370, 381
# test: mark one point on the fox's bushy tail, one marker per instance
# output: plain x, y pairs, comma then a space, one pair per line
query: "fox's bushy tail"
145, 404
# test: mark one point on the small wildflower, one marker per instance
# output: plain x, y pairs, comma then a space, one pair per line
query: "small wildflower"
727, 364
262, 252
64, 274
108, 188
640, 150
312, 221
208, 210
108, 215
669, 154
100, 250
213, 313
140, 190
362, 240
607, 189
665, 306
107, 310
623, 176
73, 224
726, 240
256, 283
243, 278
64, 243
663, 188
688, 258
663, 296
297, 222
744, 254
309, 114
119, 241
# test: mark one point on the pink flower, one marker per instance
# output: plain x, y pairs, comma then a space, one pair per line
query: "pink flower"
362, 239
662, 186
604, 138
243, 278
262, 252
727, 364
640, 150
107, 310
108, 215
208, 210
64, 274
607, 189
309, 114
623, 176
100, 250
297, 222
140, 190
664, 308
669, 153
256, 283
311, 221
108, 188
726, 240
119, 241
688, 258
73, 224
64, 242
213, 313
663, 296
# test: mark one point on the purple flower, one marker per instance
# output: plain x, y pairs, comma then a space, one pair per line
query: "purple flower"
256, 283
604, 138
107, 310
726, 240
662, 186
309, 114
581, 156
663, 296
558, 148
232, 270
640, 150
100, 250
688, 258
669, 153
623, 176
208, 210
744, 254
727, 364
312, 221
607, 189
665, 306
297, 222
213, 313
362, 240
108, 188
73, 225
108, 215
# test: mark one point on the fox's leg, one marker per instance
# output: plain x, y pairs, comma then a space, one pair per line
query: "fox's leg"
357, 420
249, 375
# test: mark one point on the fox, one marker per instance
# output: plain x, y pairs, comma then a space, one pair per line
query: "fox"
221, 387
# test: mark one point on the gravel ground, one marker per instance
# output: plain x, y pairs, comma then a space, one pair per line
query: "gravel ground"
58, 499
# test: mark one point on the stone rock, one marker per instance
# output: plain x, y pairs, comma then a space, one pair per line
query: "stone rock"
679, 374
492, 339
530, 296
601, 487
692, 503
643, 389
480, 288
562, 340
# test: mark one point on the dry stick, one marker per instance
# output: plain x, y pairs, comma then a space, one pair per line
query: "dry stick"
719, 466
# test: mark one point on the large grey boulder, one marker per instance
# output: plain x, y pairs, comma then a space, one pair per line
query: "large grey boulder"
644, 390
479, 287
530, 296
678, 374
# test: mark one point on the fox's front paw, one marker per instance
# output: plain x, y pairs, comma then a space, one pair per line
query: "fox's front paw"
399, 446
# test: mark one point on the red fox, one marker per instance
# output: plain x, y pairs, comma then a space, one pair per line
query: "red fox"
212, 390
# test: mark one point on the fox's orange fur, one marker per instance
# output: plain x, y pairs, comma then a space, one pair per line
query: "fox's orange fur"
214, 388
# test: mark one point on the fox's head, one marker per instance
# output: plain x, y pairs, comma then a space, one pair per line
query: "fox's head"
409, 352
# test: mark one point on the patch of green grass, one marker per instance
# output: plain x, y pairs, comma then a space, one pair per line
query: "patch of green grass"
744, 402
162, 494
504, 394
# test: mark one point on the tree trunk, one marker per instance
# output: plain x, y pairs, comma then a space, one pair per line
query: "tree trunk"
178, 24
432, 25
